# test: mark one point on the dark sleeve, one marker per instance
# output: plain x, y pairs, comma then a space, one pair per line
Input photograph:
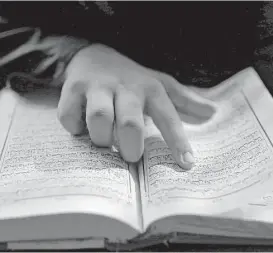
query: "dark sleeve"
263, 59
37, 42
26, 56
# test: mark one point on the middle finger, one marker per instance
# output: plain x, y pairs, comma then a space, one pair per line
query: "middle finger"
130, 124
100, 116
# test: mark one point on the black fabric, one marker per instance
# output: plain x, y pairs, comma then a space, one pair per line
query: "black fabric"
200, 43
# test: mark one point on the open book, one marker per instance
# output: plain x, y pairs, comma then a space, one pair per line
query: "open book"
58, 188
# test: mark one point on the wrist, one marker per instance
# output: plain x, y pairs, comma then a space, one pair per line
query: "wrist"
68, 48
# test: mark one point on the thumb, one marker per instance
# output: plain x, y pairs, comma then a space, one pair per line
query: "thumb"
186, 100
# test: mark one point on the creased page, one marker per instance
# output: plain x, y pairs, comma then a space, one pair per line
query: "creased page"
234, 162
45, 170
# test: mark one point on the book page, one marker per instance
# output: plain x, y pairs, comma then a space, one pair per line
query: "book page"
260, 208
234, 157
44, 170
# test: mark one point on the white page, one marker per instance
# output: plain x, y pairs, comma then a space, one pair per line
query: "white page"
234, 156
260, 208
45, 170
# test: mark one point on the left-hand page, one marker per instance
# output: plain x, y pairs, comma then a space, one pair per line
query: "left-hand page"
45, 170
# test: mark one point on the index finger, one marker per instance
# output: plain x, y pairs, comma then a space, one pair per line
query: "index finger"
186, 100
166, 118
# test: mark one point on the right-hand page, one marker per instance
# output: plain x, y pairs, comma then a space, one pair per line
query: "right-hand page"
233, 153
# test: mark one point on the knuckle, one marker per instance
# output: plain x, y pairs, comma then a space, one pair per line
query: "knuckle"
167, 77
173, 122
76, 86
155, 89
163, 75
100, 113
131, 123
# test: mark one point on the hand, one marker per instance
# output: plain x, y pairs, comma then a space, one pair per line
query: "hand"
113, 89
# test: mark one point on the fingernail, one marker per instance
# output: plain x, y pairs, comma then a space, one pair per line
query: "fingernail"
187, 160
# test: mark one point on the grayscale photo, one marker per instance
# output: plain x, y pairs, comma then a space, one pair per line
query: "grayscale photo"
136, 126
